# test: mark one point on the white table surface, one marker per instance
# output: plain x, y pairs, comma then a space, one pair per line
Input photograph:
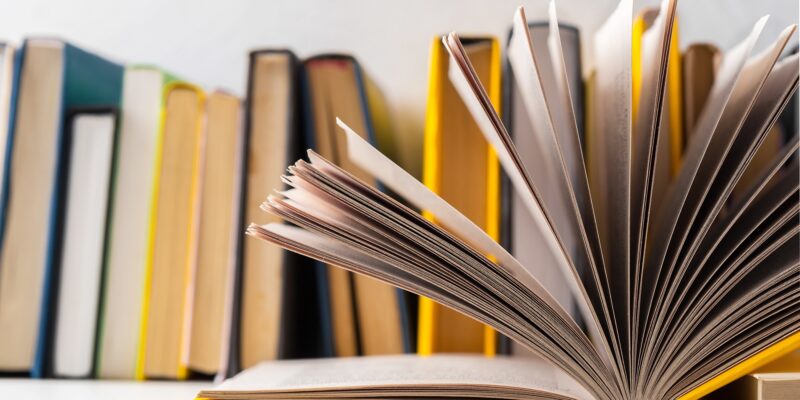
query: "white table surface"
36, 389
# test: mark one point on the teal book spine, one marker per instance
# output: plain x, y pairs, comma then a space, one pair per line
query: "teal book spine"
89, 81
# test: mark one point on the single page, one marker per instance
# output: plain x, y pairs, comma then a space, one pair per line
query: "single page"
610, 151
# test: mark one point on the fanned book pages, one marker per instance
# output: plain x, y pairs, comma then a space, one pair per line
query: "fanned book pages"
673, 296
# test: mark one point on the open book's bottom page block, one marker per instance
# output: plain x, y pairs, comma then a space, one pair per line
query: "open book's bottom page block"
405, 376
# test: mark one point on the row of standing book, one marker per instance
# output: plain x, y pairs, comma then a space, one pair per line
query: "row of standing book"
124, 195
126, 192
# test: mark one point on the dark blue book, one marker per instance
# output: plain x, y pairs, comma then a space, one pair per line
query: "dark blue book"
335, 85
289, 324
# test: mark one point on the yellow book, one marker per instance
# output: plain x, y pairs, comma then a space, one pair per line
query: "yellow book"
171, 230
778, 355
458, 164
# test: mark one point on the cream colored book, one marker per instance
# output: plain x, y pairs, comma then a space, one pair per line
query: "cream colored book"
672, 301
206, 333
762, 386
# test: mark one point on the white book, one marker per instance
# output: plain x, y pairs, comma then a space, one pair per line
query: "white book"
86, 209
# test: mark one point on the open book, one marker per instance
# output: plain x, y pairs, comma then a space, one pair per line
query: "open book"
672, 291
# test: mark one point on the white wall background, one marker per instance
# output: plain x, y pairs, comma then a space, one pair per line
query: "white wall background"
207, 41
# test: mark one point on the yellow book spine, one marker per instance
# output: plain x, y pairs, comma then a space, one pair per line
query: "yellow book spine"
493, 183
426, 329
151, 230
675, 101
674, 95
764, 357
